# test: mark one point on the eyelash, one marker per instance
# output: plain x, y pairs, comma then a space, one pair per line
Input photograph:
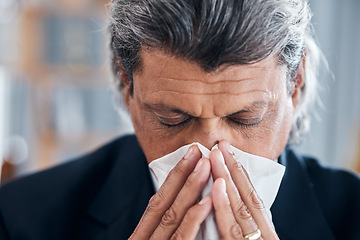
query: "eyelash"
244, 125
232, 121
181, 124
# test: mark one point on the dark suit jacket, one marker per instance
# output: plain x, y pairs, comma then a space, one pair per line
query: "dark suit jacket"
103, 195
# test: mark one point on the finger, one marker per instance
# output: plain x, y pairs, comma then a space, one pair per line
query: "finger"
227, 226
197, 214
247, 191
166, 195
239, 209
186, 198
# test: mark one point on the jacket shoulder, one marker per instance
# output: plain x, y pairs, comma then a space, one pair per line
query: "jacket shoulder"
59, 193
338, 192
332, 179
69, 173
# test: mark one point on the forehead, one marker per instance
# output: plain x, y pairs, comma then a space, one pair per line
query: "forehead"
168, 80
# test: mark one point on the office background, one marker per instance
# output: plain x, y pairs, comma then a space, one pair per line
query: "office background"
56, 103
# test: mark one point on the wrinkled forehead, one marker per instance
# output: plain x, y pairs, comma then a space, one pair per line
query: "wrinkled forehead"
166, 79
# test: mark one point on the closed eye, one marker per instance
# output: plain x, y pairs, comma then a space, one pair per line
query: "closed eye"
174, 121
245, 123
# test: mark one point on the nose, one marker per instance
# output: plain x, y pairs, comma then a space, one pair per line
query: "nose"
209, 132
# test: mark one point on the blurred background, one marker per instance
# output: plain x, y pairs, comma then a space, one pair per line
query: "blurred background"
56, 102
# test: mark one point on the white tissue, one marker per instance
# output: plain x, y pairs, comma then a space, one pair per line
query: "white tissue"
264, 174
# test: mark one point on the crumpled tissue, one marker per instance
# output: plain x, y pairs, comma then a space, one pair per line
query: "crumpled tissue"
264, 174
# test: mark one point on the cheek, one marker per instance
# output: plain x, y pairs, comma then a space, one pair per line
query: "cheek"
277, 129
270, 137
154, 139
283, 120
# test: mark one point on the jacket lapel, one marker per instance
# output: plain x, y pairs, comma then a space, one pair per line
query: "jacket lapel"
296, 212
125, 224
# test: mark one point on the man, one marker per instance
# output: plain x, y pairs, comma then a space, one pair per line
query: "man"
211, 71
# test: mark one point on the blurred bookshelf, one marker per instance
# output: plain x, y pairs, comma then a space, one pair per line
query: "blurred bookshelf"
54, 73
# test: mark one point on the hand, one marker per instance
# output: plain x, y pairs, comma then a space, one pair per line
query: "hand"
172, 213
239, 210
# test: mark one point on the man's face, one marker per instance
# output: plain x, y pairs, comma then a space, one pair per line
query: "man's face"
175, 103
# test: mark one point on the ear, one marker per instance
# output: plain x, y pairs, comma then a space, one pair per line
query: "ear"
126, 83
298, 83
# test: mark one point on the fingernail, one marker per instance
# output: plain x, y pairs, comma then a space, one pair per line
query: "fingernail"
228, 148
223, 185
204, 200
189, 153
198, 165
220, 157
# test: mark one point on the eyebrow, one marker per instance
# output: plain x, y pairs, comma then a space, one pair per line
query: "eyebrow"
257, 105
165, 108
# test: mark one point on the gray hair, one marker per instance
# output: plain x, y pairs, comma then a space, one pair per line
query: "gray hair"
211, 33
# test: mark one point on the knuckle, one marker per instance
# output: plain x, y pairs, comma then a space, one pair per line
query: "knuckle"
256, 201
152, 200
242, 210
178, 169
236, 232
169, 218
156, 202
160, 196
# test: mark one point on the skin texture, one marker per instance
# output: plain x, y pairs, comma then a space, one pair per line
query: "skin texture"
167, 86
175, 103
